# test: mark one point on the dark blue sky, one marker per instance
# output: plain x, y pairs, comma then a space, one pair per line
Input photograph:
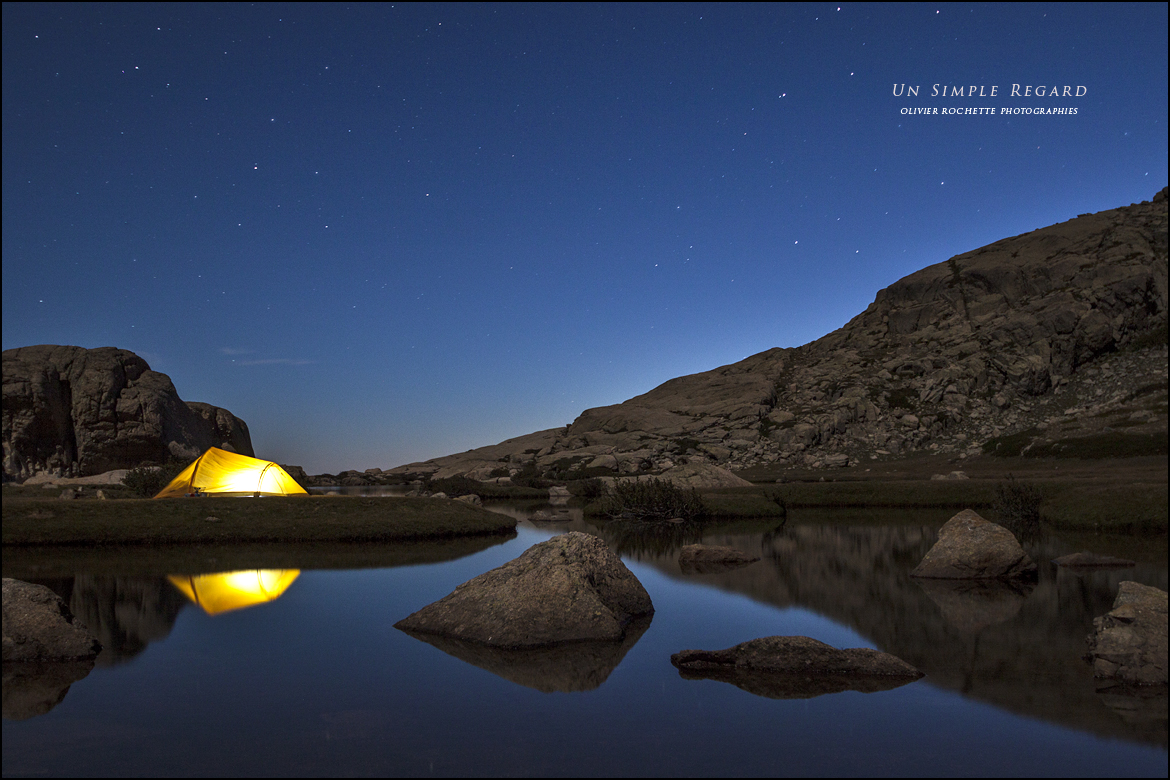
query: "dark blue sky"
385, 233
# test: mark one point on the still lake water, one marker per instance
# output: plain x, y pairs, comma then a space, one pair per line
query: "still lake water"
318, 682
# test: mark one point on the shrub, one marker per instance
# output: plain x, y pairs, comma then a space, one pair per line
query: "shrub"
148, 479
902, 398
780, 500
588, 489
1018, 506
454, 486
1155, 337
653, 499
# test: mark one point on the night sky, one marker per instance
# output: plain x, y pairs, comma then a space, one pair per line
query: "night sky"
380, 234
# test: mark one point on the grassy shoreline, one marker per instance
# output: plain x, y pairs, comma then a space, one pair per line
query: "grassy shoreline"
1119, 495
1070, 505
50, 521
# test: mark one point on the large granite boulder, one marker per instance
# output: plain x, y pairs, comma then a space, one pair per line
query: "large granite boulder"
38, 626
1129, 642
703, 476
970, 547
570, 588
783, 667
70, 411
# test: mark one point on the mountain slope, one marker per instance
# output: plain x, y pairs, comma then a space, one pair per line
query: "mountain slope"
1009, 337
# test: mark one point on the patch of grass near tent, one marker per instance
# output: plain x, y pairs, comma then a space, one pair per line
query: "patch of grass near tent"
239, 520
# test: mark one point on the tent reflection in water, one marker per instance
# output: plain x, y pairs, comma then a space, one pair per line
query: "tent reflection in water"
221, 473
225, 591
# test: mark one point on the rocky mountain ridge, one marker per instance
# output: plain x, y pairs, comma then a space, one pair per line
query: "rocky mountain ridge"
1048, 335
76, 412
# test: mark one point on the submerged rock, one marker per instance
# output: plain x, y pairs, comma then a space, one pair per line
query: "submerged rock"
568, 589
707, 558
1088, 560
782, 667
38, 626
1129, 643
970, 547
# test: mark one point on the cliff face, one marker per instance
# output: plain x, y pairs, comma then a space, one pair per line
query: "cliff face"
72, 411
1034, 332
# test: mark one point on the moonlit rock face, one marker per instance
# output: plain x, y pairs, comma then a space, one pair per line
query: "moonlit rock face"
72, 411
970, 547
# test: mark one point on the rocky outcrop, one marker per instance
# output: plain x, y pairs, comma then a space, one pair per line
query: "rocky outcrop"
971, 548
796, 667
1129, 643
38, 626
571, 588
707, 558
70, 411
1020, 336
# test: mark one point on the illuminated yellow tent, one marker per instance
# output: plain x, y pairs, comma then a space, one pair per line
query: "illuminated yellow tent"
229, 590
221, 473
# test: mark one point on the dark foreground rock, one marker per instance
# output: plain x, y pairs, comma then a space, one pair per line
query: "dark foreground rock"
45, 650
70, 411
38, 626
563, 668
1088, 560
1129, 643
708, 558
796, 667
970, 547
571, 588
32, 688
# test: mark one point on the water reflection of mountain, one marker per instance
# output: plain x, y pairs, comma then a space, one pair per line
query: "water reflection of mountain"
124, 613
1019, 648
